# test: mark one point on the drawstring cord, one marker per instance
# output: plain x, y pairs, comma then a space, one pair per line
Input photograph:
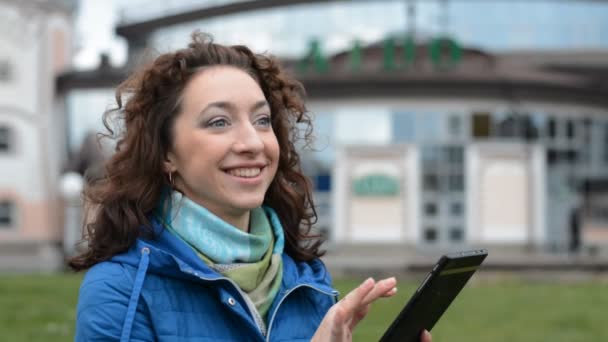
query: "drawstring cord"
139, 281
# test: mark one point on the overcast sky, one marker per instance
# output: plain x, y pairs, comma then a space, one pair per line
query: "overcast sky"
491, 25
95, 23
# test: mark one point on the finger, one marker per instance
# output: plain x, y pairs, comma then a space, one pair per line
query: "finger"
353, 299
382, 288
390, 293
426, 337
362, 289
359, 315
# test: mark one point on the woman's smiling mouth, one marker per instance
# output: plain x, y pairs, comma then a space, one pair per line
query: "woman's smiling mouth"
245, 172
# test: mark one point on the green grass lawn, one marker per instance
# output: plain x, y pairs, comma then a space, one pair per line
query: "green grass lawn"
42, 308
511, 310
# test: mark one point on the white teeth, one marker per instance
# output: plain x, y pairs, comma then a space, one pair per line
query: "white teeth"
245, 172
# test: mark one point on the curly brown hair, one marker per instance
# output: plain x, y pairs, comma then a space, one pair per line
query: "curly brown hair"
120, 204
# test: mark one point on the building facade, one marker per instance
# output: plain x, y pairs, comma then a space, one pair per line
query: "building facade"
35, 46
497, 150
426, 141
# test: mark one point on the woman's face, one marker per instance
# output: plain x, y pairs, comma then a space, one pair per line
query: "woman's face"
224, 153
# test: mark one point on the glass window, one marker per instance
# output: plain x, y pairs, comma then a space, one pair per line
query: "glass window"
481, 124
562, 157
552, 128
430, 234
5, 139
538, 122
456, 234
430, 209
456, 182
429, 126
587, 125
430, 155
531, 130
456, 209
507, 124
455, 155
455, 125
323, 148
430, 182
605, 145
6, 214
515, 124
586, 148
363, 126
404, 127
5, 71
552, 156
570, 129
322, 182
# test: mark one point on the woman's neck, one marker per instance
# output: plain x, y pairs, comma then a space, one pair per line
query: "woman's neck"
237, 218
233, 216
241, 222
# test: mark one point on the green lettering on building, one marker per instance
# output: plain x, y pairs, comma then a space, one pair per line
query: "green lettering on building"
376, 185
315, 58
388, 52
409, 51
355, 56
444, 52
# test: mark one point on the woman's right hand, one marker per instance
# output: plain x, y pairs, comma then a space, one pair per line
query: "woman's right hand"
342, 318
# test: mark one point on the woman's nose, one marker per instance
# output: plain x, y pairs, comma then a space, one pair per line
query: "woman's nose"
248, 139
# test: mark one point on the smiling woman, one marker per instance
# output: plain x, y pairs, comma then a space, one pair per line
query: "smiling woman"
201, 227
226, 155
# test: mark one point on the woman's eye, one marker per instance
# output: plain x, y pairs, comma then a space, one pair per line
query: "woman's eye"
219, 123
264, 121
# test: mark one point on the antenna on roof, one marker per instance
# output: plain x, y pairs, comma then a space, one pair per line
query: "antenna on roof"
444, 17
410, 7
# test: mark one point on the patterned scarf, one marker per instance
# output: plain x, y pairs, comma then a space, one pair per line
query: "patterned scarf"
252, 260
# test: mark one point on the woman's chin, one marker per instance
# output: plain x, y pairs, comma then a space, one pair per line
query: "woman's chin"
249, 204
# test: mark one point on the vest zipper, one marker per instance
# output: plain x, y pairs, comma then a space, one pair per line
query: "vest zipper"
250, 306
332, 294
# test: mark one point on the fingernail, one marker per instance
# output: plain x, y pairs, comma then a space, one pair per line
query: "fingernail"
368, 282
390, 280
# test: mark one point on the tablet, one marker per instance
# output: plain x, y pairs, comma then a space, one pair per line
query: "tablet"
434, 295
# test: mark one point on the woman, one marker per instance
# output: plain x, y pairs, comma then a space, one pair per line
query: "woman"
201, 228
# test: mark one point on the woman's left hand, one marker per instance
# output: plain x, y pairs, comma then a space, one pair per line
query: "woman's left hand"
340, 321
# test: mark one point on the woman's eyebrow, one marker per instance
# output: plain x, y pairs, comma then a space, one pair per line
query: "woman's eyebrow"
260, 104
229, 106
219, 104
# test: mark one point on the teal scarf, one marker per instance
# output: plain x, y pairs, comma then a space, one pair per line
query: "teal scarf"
252, 260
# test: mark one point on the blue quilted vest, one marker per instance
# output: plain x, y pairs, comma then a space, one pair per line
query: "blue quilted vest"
160, 290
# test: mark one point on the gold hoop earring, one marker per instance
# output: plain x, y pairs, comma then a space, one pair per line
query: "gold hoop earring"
171, 179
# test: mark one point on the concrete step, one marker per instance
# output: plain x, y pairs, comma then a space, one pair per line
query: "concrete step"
397, 259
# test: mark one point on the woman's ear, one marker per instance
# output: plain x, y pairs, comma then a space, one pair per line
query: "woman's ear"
169, 164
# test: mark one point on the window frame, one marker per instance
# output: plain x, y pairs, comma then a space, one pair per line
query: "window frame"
6, 139
6, 71
8, 210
